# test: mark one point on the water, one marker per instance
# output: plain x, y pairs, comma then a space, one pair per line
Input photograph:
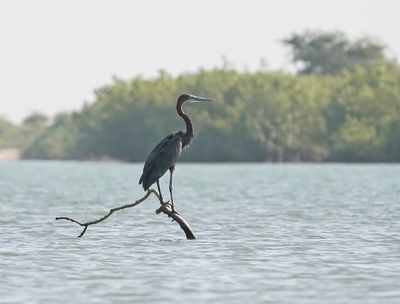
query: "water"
266, 234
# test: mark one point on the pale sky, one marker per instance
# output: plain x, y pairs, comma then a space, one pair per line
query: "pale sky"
53, 54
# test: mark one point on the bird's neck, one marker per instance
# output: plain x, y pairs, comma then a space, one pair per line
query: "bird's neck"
188, 134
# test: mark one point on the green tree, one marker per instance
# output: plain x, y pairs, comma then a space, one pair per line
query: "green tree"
363, 114
32, 127
331, 52
10, 134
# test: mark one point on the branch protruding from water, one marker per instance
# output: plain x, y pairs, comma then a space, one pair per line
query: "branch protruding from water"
164, 208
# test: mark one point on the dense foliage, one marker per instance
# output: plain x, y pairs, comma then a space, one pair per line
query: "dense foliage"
344, 105
257, 116
14, 136
10, 134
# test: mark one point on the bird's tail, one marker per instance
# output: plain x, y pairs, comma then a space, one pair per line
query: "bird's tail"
144, 181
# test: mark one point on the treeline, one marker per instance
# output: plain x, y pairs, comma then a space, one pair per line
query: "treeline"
260, 116
21, 136
343, 105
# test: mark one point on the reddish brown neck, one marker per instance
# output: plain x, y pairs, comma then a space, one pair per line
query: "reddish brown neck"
189, 127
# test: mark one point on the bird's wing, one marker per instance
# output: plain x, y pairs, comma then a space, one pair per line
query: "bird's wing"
163, 156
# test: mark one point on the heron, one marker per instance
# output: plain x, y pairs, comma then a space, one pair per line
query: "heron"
164, 156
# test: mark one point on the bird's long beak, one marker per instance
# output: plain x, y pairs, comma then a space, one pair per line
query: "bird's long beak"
199, 99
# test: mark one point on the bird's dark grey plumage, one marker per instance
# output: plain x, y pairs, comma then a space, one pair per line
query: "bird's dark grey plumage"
166, 153
163, 156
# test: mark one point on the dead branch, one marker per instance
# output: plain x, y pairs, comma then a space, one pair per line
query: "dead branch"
165, 208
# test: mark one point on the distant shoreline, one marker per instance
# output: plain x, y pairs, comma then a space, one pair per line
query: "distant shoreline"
10, 154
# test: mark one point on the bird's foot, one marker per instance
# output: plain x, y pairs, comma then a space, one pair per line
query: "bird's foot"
167, 206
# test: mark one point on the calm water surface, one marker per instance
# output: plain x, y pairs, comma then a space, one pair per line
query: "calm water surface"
266, 234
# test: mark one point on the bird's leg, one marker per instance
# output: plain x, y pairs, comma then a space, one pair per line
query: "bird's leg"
159, 191
171, 170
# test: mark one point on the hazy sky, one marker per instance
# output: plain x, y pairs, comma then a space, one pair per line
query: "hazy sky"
53, 54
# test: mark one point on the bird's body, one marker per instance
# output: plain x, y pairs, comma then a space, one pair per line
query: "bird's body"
164, 156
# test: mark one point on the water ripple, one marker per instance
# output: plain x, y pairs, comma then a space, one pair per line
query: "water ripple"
290, 234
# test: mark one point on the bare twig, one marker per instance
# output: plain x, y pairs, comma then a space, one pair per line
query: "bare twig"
165, 208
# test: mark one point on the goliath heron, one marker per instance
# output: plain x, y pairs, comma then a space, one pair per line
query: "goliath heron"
165, 154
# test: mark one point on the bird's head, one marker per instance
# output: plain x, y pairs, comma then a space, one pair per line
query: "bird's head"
192, 98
